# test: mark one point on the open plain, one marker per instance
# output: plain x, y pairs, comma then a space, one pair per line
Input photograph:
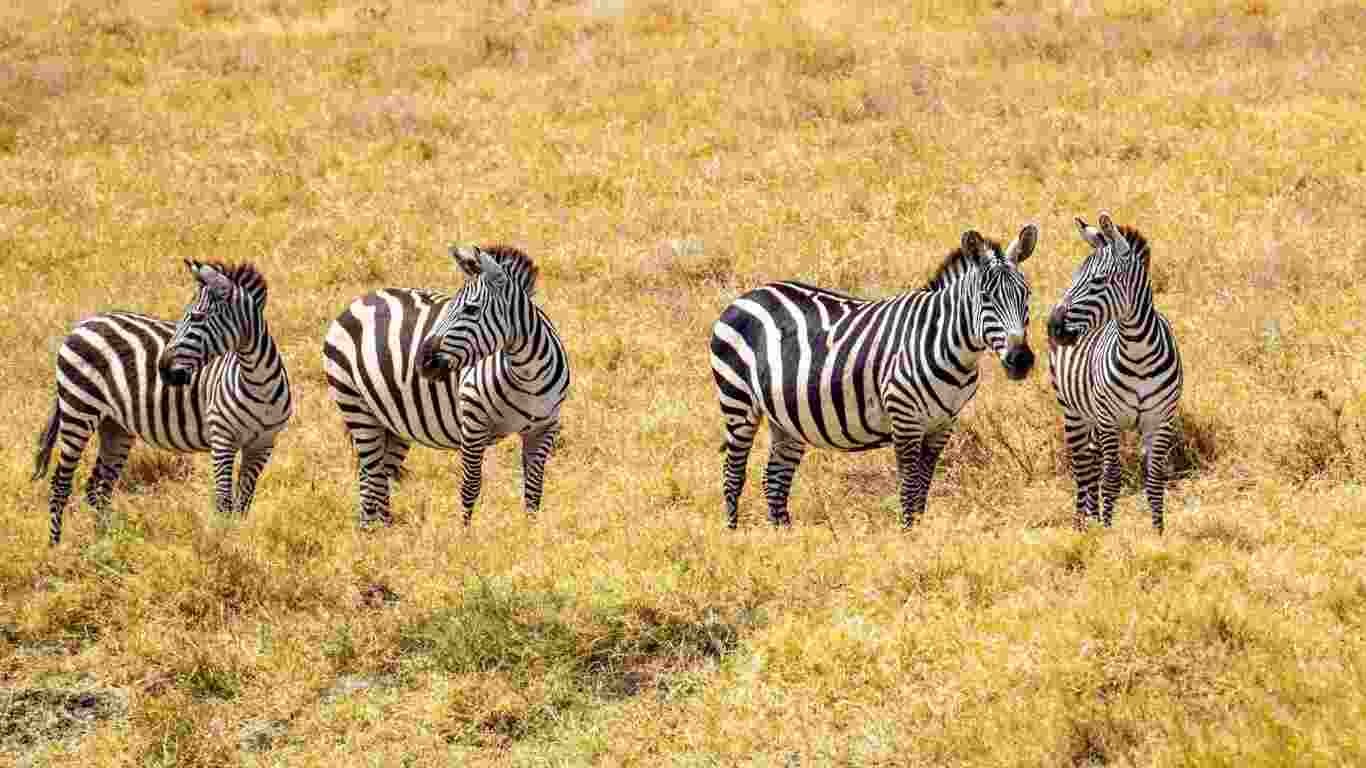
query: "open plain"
657, 159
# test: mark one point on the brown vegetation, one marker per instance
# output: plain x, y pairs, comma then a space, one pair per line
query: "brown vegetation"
656, 159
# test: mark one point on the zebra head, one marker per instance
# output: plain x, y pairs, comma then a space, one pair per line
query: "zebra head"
1104, 288
483, 317
1005, 297
213, 323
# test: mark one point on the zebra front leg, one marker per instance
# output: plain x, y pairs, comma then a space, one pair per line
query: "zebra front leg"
1107, 442
253, 464
472, 463
224, 455
536, 449
908, 446
1076, 435
115, 443
784, 455
1157, 448
930, 449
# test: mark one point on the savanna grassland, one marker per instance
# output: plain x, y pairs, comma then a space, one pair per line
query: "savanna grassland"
657, 159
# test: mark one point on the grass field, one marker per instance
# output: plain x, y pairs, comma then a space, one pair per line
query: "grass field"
658, 159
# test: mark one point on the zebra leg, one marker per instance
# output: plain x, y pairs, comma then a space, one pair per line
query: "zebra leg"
909, 446
536, 448
224, 455
371, 441
253, 464
1157, 447
71, 440
739, 441
930, 449
1107, 441
472, 462
115, 443
395, 453
1076, 434
783, 457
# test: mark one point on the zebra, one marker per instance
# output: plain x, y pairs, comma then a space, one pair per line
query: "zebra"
389, 360
1114, 365
214, 381
833, 371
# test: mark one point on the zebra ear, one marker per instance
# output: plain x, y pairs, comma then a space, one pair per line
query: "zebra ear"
1090, 234
493, 272
974, 247
209, 277
1024, 244
466, 257
1112, 233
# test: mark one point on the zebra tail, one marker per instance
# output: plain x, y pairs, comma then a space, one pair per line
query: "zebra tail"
45, 443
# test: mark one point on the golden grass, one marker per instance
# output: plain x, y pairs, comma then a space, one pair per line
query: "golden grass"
657, 159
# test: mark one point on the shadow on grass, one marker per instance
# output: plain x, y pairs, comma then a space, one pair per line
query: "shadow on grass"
556, 657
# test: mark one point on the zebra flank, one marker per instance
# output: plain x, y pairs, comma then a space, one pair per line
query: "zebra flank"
214, 381
832, 371
1114, 366
454, 372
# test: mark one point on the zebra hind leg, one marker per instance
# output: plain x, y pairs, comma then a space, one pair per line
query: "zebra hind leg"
1108, 443
1156, 453
784, 455
739, 441
371, 441
395, 453
115, 444
71, 440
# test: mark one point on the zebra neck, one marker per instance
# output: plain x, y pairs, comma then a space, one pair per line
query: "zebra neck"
1139, 333
258, 359
963, 337
531, 361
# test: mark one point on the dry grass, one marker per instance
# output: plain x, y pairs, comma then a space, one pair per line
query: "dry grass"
657, 158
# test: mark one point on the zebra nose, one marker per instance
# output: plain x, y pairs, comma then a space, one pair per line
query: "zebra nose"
1057, 328
1019, 361
432, 366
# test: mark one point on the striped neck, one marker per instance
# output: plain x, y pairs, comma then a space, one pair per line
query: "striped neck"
533, 361
259, 364
965, 338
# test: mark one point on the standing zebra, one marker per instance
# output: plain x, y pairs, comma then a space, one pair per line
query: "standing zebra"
389, 359
212, 382
833, 371
1114, 365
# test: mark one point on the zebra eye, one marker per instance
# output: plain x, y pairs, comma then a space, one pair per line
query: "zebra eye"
470, 310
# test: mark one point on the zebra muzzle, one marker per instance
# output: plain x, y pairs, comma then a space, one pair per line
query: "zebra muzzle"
175, 377
1058, 330
1018, 361
433, 364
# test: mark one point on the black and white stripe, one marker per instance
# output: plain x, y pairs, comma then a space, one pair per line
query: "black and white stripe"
832, 371
1114, 365
390, 357
214, 381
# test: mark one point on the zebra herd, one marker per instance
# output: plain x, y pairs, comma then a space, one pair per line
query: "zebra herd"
462, 371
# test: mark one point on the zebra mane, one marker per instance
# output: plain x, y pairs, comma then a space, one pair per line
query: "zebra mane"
954, 266
245, 276
1137, 242
519, 266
